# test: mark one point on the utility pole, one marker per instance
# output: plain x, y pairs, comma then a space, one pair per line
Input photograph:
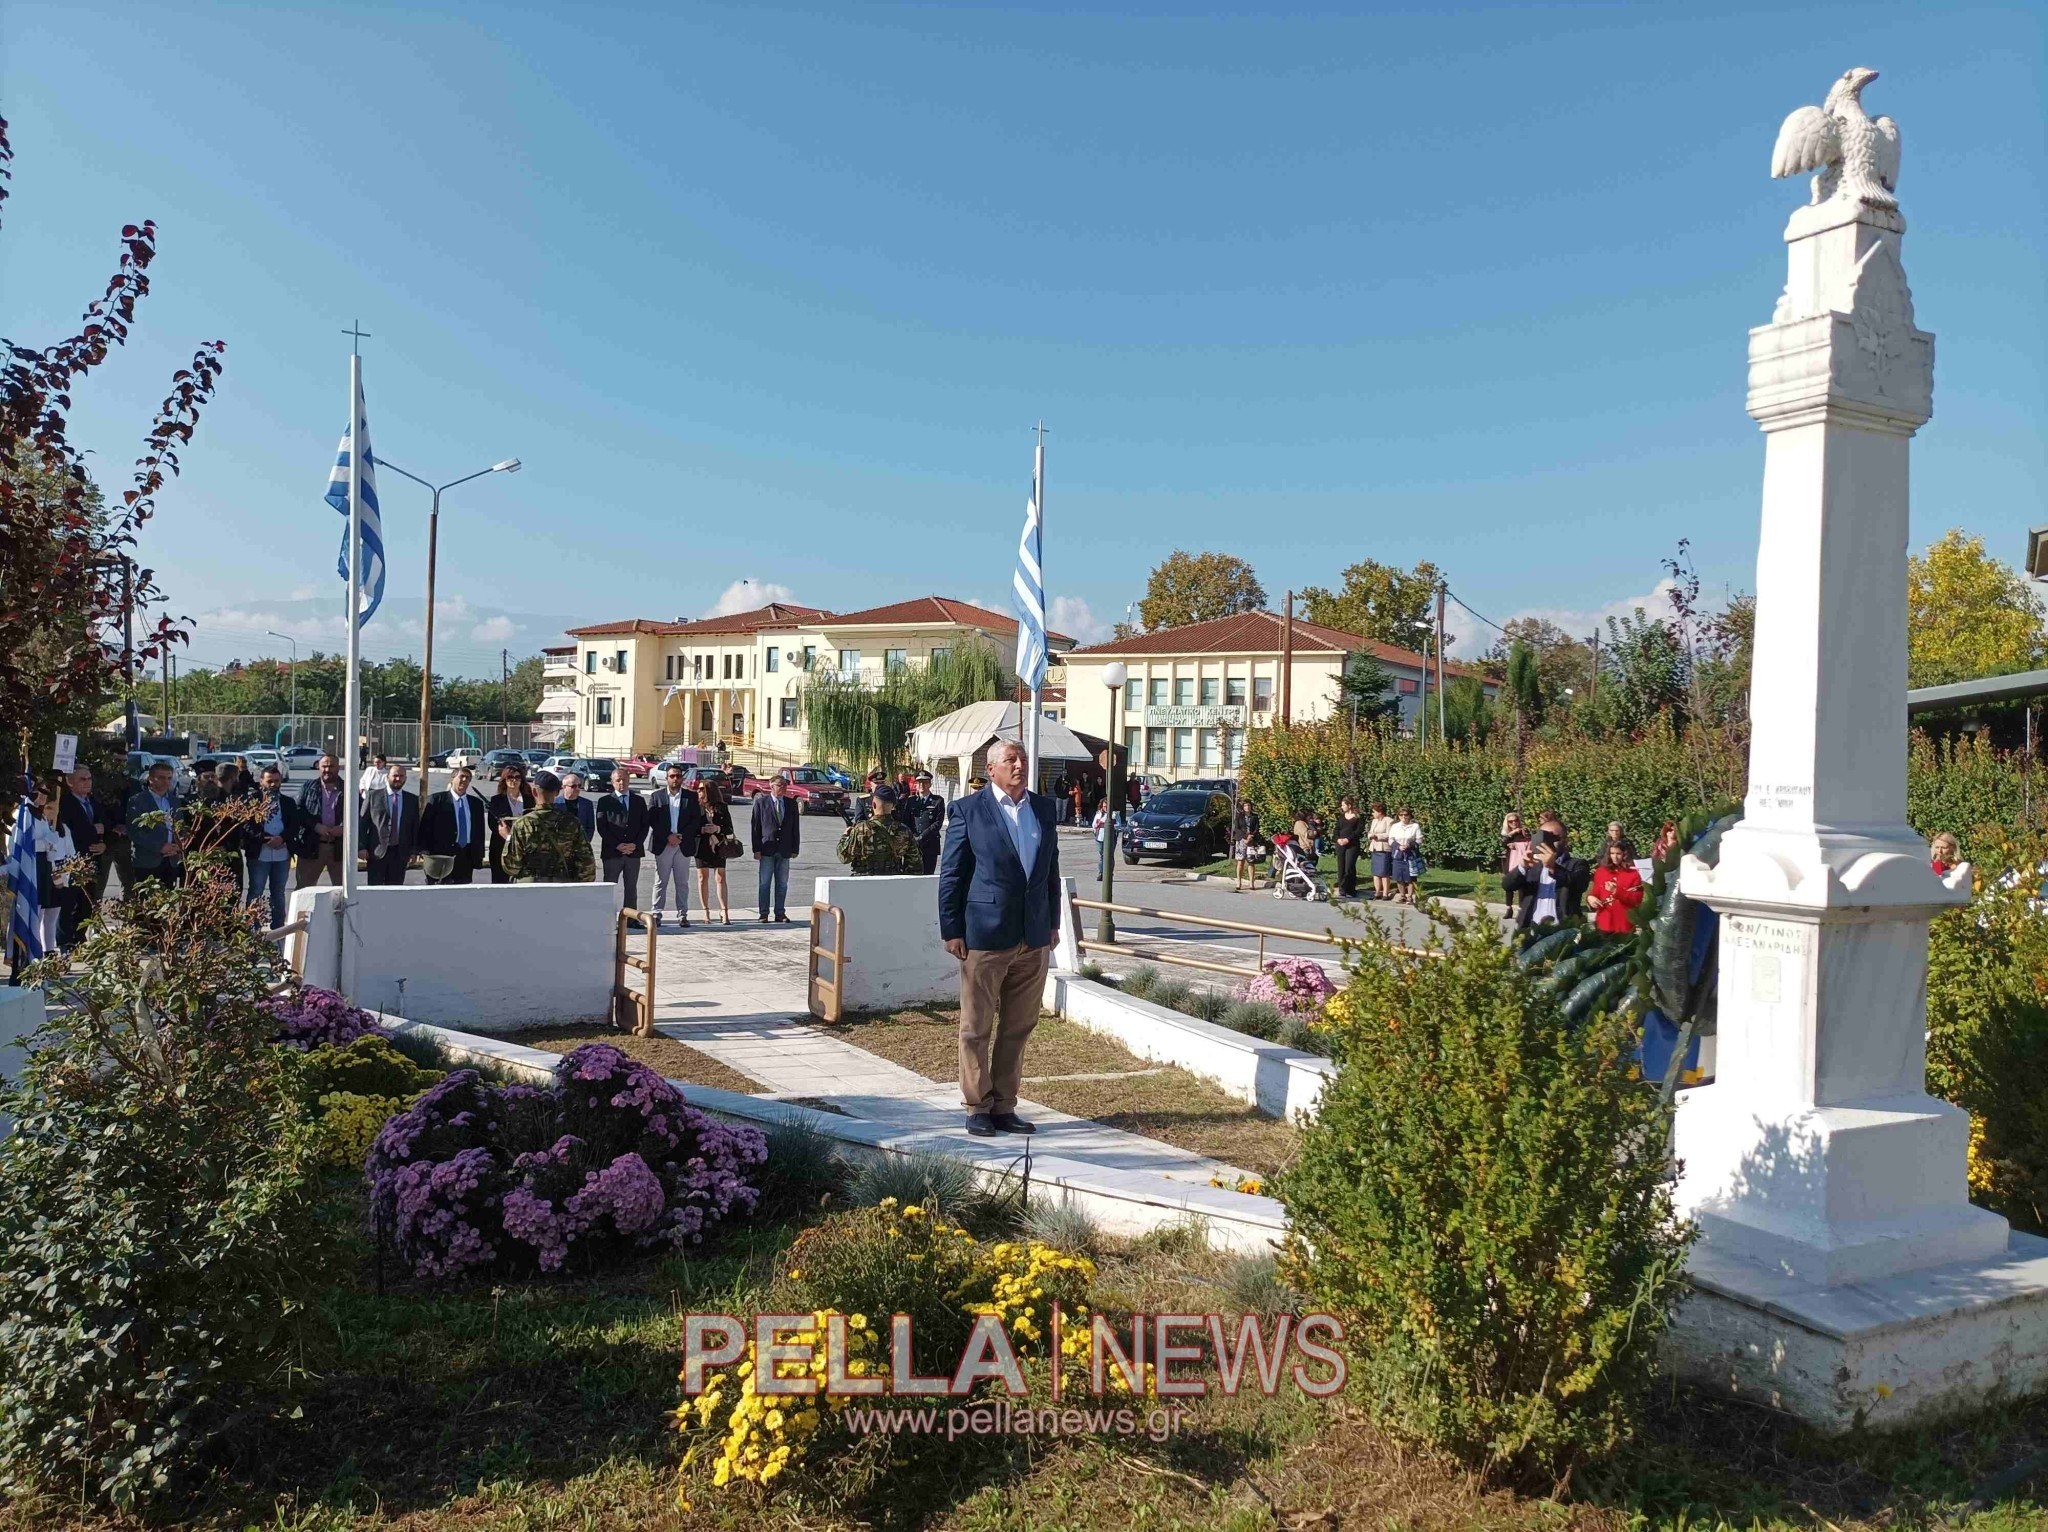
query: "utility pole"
1441, 733
1287, 666
1593, 684
164, 676
505, 687
128, 648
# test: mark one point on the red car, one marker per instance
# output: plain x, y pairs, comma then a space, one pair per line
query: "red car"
814, 791
642, 765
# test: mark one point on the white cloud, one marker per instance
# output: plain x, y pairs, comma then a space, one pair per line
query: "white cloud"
1581, 621
746, 595
493, 630
1070, 615
306, 593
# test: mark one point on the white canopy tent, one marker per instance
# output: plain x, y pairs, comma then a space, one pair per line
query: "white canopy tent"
948, 746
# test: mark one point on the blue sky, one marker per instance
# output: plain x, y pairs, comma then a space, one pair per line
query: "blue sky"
775, 293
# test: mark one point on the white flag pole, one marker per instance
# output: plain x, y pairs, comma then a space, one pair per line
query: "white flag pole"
352, 705
1037, 685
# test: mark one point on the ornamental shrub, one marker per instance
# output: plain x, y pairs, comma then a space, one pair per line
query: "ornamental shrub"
476, 1177
1482, 1196
158, 1201
320, 1018
1987, 1025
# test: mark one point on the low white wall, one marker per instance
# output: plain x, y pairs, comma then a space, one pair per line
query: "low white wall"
1281, 1082
21, 1012
893, 953
488, 958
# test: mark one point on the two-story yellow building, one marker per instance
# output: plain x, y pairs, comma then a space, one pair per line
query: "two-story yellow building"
643, 686
1191, 693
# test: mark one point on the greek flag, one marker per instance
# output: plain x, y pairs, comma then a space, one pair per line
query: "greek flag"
372, 586
25, 928
1028, 585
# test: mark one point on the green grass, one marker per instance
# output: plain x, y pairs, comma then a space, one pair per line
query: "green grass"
1437, 882
545, 1405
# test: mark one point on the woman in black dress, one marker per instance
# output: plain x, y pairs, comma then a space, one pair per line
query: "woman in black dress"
512, 799
1350, 837
713, 842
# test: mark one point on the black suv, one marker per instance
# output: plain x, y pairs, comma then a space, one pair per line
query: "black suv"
1179, 824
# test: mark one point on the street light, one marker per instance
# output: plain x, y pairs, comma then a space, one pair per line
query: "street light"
1114, 674
509, 465
268, 633
2037, 553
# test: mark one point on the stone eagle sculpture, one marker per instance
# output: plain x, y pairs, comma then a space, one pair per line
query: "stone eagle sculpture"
1857, 158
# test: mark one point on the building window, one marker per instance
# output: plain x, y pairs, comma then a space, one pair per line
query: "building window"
1157, 693
1234, 751
1212, 748
1183, 747
696, 667
604, 710
1405, 687
789, 712
895, 659
849, 662
1210, 687
1262, 694
1233, 691
942, 654
810, 656
774, 662
1133, 695
619, 661
1184, 692
590, 662
1155, 747
704, 716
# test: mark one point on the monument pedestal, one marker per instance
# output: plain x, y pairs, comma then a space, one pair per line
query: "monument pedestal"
1841, 1271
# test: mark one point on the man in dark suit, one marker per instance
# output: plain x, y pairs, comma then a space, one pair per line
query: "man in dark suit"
622, 834
674, 818
999, 910
91, 821
778, 835
456, 823
391, 828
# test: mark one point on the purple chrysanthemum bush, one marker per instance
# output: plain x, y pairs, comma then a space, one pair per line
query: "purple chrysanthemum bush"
319, 1018
1296, 985
476, 1177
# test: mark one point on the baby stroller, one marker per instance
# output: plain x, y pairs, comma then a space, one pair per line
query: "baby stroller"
1294, 873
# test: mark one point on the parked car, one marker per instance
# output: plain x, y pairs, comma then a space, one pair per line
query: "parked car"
838, 773
732, 779
301, 757
1179, 825
535, 758
813, 789
464, 755
641, 765
497, 760
1208, 785
139, 762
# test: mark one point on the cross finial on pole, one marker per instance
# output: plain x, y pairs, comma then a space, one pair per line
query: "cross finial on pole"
356, 329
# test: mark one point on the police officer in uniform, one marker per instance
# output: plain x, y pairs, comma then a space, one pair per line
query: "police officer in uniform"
924, 814
880, 845
864, 806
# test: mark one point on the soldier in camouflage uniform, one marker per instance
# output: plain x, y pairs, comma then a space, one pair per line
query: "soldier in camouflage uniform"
881, 845
546, 845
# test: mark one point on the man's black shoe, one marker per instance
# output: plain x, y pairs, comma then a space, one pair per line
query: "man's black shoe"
1010, 1122
981, 1125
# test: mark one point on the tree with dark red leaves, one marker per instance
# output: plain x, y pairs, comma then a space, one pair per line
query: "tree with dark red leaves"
64, 555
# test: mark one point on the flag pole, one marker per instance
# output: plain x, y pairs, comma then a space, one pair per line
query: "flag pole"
1038, 683
352, 705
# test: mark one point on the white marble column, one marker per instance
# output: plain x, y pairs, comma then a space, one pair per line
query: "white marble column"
1817, 1152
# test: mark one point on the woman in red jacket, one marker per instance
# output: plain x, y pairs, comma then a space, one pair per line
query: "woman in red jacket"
1617, 889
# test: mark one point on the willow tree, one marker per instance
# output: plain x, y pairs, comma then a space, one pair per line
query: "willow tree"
870, 725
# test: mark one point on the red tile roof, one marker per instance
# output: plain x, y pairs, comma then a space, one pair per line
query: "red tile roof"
776, 614
622, 628
932, 609
1258, 633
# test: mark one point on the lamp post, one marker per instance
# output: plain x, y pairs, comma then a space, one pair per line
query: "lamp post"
510, 465
1114, 674
268, 633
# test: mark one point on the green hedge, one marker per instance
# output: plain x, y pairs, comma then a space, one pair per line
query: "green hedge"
1460, 792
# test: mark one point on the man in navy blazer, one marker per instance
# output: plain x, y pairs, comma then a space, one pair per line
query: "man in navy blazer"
999, 910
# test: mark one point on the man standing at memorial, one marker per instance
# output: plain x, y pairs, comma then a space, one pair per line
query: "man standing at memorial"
778, 836
91, 823
321, 808
924, 814
999, 880
455, 825
622, 834
674, 818
390, 829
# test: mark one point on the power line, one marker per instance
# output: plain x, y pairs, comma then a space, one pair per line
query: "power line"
1480, 615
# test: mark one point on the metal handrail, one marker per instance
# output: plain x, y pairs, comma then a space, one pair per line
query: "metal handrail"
1214, 923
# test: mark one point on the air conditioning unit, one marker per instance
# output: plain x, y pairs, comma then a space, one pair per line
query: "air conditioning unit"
607, 663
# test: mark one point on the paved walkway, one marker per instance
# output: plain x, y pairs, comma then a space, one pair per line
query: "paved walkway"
738, 994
